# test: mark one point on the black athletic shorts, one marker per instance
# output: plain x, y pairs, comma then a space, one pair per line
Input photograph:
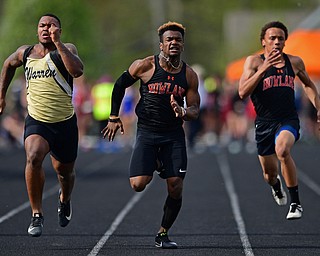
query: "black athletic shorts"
61, 136
267, 132
168, 147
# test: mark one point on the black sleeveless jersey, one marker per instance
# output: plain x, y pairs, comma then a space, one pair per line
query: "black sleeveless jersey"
153, 109
274, 96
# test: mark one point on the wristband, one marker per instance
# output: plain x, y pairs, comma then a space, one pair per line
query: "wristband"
114, 120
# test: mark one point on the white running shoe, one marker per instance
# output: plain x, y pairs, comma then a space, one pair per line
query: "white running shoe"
295, 212
280, 196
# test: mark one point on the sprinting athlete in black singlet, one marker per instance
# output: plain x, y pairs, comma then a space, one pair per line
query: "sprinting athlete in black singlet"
274, 103
165, 83
153, 109
277, 84
269, 80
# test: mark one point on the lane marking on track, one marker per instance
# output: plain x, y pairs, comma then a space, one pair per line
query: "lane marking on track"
116, 223
26, 205
226, 174
90, 169
309, 182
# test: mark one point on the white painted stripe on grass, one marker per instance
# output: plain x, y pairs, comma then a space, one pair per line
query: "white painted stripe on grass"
115, 224
226, 174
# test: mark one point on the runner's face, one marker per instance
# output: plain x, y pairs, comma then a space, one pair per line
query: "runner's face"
172, 43
43, 28
274, 39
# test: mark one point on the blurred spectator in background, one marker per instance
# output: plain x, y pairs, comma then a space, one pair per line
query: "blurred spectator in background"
212, 122
101, 106
194, 128
83, 107
13, 121
101, 98
129, 117
238, 122
308, 116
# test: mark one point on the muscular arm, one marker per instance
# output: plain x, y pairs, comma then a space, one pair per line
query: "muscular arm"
69, 56
139, 69
307, 84
9, 67
68, 53
142, 69
250, 77
192, 96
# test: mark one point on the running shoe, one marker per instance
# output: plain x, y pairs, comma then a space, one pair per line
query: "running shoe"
64, 212
162, 241
279, 196
36, 225
295, 212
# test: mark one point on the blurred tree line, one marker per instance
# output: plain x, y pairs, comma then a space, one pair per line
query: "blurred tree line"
110, 34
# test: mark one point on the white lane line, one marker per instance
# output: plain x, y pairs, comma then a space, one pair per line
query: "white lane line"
90, 169
226, 174
26, 205
309, 182
116, 223
14, 212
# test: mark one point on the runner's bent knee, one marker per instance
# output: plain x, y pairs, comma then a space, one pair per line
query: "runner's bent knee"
139, 183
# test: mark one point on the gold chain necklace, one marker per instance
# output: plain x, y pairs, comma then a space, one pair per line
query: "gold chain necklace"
169, 62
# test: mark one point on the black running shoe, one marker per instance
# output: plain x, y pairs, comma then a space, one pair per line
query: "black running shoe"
162, 241
64, 212
36, 225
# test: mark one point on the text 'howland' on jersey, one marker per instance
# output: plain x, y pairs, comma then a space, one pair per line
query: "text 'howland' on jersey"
278, 81
166, 88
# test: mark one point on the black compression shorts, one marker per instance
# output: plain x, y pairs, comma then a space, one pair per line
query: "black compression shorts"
61, 136
168, 147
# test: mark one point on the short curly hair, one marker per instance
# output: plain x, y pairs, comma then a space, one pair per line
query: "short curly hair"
273, 24
174, 26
